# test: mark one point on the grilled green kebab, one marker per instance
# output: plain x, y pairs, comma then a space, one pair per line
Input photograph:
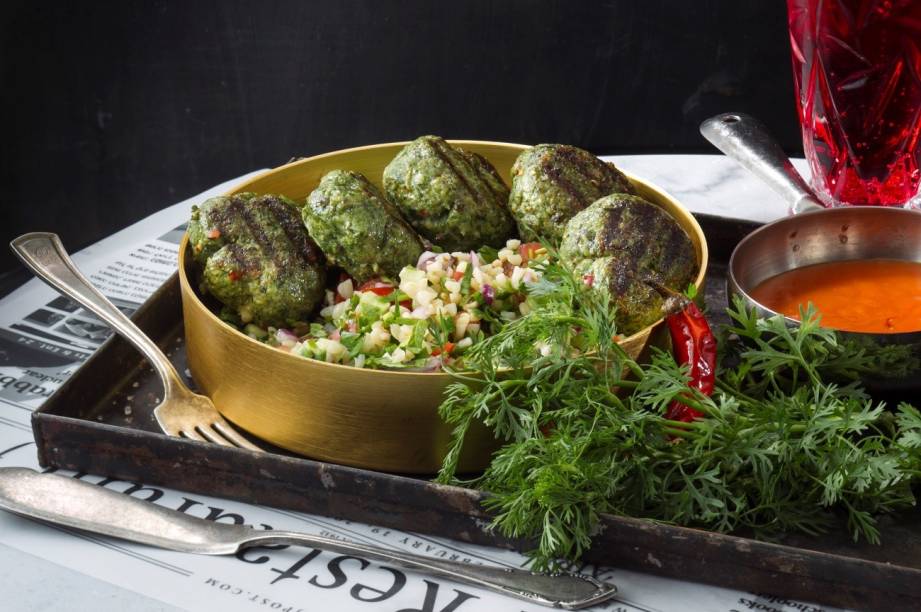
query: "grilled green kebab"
258, 258
553, 182
624, 245
452, 197
358, 229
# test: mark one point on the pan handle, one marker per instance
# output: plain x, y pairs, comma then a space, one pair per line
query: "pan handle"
747, 141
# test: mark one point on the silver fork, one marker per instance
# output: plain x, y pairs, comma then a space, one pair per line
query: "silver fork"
181, 413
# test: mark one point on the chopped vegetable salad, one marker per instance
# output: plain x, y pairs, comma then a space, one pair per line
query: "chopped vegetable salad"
422, 321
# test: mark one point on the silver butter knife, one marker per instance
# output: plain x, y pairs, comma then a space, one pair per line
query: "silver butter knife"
74, 503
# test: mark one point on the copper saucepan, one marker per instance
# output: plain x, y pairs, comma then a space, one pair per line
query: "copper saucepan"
814, 234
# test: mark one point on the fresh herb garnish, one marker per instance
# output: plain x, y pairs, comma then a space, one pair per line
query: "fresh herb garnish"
788, 442
465, 281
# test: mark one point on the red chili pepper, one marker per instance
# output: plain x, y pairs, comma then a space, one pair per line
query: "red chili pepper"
694, 344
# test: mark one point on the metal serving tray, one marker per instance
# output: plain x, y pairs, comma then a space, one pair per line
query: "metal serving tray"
101, 422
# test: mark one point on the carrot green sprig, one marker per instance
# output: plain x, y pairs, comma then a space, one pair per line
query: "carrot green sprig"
788, 441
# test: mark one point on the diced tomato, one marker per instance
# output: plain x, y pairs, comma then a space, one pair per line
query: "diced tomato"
446, 349
528, 251
234, 275
408, 304
458, 275
213, 233
377, 286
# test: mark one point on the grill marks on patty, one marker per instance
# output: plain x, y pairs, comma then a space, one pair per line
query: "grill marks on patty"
441, 150
627, 229
587, 187
256, 231
625, 241
260, 221
243, 262
488, 175
290, 223
622, 223
553, 182
477, 176
260, 262
555, 175
450, 196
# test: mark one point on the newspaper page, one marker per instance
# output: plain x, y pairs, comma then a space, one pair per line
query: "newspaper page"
44, 338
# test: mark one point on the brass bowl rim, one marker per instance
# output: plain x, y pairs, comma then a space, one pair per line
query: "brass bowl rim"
189, 290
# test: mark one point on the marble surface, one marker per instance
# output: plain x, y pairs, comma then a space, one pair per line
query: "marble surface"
710, 183
703, 183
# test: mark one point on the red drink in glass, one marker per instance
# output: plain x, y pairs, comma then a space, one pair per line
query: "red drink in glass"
857, 71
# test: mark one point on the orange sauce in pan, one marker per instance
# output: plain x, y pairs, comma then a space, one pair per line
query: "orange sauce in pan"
875, 295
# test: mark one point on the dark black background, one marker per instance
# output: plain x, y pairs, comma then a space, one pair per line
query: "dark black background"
113, 110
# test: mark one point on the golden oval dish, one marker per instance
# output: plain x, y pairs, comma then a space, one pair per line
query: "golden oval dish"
374, 419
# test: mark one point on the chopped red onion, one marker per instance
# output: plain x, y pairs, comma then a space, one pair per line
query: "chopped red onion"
489, 294
286, 336
474, 259
432, 364
426, 257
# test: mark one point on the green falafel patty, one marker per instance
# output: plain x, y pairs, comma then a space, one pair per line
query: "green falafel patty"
358, 229
257, 258
452, 197
553, 182
621, 243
